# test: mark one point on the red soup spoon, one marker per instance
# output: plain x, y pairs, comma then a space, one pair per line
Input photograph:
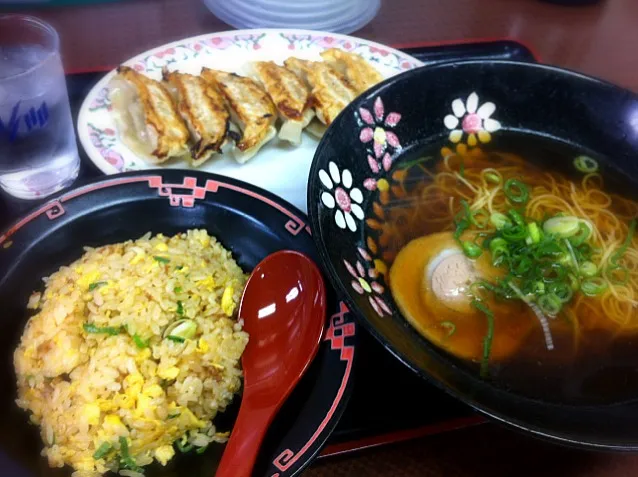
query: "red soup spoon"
284, 310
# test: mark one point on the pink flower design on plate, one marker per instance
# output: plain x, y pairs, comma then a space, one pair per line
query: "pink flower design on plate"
113, 158
376, 126
365, 282
218, 42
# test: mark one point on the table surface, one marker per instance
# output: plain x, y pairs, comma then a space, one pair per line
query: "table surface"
598, 40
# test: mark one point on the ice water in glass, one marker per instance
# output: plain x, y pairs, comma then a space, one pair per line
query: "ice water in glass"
38, 151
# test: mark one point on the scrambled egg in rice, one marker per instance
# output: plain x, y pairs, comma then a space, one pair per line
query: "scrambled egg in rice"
133, 350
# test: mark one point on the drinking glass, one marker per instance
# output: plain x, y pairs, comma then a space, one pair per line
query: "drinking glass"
38, 152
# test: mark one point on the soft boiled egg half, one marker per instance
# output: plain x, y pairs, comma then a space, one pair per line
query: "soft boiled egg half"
430, 281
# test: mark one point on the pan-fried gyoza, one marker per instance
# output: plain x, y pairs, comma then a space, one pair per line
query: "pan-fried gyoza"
198, 116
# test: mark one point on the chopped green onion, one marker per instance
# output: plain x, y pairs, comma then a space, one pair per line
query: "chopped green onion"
572, 254
517, 218
161, 259
499, 250
562, 227
539, 288
183, 329
449, 326
553, 272
415, 162
549, 304
515, 233
493, 178
561, 290
574, 283
176, 339
101, 451
593, 286
500, 221
177, 289
462, 168
549, 249
126, 460
623, 248
586, 164
201, 450
584, 232
180, 308
173, 416
139, 342
184, 447
94, 285
534, 232
179, 267
480, 218
523, 266
516, 191
588, 269
487, 340
471, 250
461, 226
109, 330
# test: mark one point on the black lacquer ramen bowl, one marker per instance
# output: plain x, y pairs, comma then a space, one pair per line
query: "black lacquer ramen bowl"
394, 136
248, 221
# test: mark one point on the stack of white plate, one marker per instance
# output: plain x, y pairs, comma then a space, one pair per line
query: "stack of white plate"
340, 16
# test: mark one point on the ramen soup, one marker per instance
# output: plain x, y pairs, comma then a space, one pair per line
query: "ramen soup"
524, 266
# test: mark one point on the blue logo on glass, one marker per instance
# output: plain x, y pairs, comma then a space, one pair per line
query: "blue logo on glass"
31, 120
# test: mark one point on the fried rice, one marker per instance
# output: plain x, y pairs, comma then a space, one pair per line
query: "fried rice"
133, 350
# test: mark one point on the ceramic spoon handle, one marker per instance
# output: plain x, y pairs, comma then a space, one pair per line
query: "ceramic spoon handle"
241, 451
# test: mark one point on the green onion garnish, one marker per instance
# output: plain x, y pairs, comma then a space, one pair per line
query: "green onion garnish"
550, 304
161, 259
583, 234
178, 290
516, 191
500, 221
534, 232
623, 248
487, 340
562, 227
593, 286
561, 290
184, 447
126, 460
101, 451
415, 162
586, 164
94, 285
173, 416
493, 178
180, 308
449, 326
109, 330
139, 342
201, 450
515, 233
471, 249
588, 269
176, 339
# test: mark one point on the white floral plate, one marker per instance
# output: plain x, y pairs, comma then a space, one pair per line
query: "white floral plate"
278, 167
